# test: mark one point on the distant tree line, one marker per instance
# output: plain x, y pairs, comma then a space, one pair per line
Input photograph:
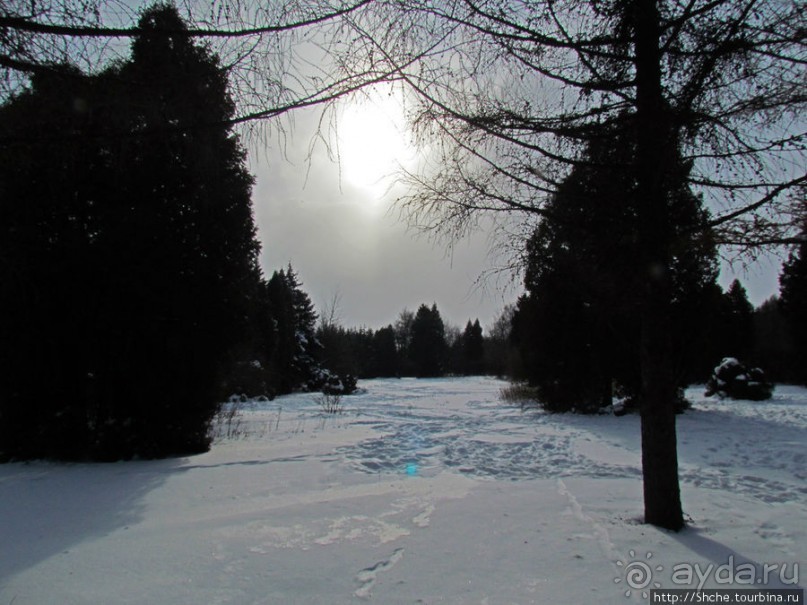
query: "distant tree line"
418, 344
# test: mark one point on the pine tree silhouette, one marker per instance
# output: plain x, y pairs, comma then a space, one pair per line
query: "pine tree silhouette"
129, 240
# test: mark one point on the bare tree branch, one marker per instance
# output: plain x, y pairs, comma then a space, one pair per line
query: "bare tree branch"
23, 24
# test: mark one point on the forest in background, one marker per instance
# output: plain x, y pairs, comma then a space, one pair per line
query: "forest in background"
132, 302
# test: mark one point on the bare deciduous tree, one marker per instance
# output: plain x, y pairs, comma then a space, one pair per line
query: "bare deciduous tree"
279, 56
509, 92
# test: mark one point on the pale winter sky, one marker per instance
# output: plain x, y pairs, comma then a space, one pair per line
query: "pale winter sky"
337, 225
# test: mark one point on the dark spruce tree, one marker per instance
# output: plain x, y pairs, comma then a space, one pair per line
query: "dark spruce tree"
282, 343
427, 348
308, 353
793, 284
737, 318
403, 341
473, 349
774, 346
729, 332
361, 352
577, 328
501, 356
129, 253
385, 359
295, 357
339, 354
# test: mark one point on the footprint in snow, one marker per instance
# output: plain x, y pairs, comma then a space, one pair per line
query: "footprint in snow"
367, 577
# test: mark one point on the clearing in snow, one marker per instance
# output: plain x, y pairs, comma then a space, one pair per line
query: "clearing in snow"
421, 491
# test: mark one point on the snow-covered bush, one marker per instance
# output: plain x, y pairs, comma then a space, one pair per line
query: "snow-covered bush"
344, 384
735, 380
331, 383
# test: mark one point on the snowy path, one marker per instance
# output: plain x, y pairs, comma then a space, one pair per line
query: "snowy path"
429, 491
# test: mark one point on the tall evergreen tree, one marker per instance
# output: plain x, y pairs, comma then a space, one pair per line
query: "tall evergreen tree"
577, 328
737, 317
793, 284
501, 356
473, 349
130, 257
297, 353
774, 343
385, 353
427, 349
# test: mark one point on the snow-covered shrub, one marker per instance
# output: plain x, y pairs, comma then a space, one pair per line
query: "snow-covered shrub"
331, 383
344, 384
735, 380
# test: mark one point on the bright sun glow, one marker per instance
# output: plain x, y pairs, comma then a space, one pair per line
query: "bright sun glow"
373, 141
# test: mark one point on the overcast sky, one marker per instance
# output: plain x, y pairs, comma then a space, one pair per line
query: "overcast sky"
342, 239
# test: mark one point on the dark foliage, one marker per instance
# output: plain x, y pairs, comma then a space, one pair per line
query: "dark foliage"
502, 358
793, 283
427, 349
289, 351
736, 317
736, 380
418, 345
359, 352
385, 359
129, 258
577, 328
295, 354
774, 347
472, 347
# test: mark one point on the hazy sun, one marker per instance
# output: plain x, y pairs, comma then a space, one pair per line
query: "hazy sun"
373, 141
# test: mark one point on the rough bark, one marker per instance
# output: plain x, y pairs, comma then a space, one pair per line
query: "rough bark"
655, 146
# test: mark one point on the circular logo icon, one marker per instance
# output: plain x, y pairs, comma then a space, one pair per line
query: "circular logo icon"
637, 574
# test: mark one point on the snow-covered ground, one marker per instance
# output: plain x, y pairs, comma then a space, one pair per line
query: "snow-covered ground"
422, 491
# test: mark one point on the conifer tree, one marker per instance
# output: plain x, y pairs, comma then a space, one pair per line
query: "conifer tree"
737, 319
793, 282
296, 355
128, 233
577, 327
774, 345
385, 353
403, 341
428, 348
473, 349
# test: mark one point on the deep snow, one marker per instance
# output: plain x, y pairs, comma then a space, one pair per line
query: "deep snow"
422, 491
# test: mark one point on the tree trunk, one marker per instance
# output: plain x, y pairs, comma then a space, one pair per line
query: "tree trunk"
656, 147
